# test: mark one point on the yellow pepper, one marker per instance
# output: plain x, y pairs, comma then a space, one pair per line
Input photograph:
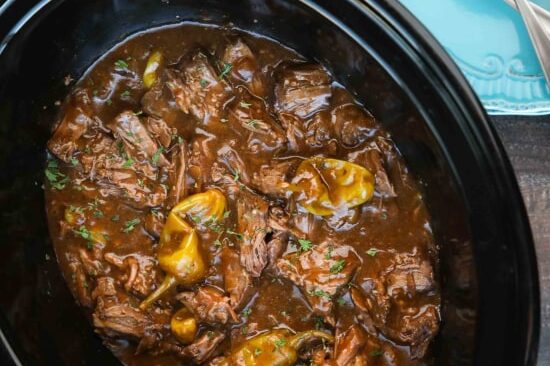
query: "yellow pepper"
179, 250
323, 186
278, 347
184, 326
150, 75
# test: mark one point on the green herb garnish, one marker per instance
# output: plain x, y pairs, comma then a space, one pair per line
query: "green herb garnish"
128, 163
338, 266
305, 244
372, 252
121, 64
130, 225
225, 70
83, 232
156, 155
279, 343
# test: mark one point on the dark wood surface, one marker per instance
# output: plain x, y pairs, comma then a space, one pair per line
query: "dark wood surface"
527, 141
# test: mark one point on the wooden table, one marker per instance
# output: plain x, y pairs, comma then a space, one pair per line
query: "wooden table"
527, 141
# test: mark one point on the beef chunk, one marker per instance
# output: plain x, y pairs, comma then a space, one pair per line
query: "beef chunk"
204, 347
197, 89
178, 174
122, 171
75, 123
208, 304
372, 159
141, 273
159, 130
349, 346
275, 248
105, 287
416, 328
154, 221
80, 282
252, 224
353, 124
130, 129
160, 103
409, 275
237, 281
126, 183
320, 273
372, 303
278, 219
119, 319
319, 130
234, 164
271, 178
263, 132
244, 67
303, 90
90, 263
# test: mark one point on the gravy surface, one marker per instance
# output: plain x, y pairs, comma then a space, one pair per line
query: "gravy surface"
220, 109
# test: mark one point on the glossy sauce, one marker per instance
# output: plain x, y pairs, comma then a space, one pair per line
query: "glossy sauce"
389, 236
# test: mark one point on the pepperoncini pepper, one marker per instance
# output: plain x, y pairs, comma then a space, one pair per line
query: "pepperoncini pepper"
184, 326
179, 254
278, 347
323, 186
150, 75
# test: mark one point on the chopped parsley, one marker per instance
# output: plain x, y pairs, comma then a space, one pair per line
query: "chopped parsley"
372, 252
57, 179
115, 218
305, 244
245, 104
244, 330
239, 236
246, 312
125, 93
319, 322
204, 83
236, 175
252, 123
341, 301
121, 64
74, 161
83, 232
338, 266
109, 102
257, 351
156, 155
225, 70
128, 163
320, 293
279, 343
376, 353
217, 243
328, 254
76, 209
130, 225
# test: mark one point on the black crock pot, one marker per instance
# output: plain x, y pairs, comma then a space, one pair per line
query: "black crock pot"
375, 48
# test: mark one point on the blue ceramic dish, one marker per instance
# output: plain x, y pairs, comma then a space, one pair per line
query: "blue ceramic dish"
489, 42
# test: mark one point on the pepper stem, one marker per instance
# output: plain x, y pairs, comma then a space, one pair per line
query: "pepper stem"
167, 284
298, 340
